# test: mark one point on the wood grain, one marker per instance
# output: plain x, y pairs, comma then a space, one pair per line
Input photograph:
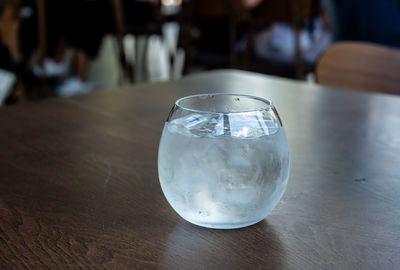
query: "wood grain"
360, 66
79, 186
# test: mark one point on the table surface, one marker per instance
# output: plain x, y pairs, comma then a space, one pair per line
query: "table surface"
79, 186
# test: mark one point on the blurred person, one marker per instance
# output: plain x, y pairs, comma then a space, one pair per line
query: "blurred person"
56, 20
92, 20
79, 25
277, 42
86, 22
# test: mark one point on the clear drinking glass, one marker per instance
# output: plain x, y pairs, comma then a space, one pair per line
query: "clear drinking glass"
223, 159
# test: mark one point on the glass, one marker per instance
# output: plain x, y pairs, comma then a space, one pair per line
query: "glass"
223, 159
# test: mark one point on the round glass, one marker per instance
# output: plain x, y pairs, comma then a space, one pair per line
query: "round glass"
223, 159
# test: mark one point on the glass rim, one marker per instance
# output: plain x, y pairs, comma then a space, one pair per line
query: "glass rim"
268, 103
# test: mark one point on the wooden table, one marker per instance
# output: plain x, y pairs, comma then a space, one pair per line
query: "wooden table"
79, 186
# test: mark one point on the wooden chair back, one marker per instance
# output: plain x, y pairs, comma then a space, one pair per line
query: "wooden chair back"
360, 66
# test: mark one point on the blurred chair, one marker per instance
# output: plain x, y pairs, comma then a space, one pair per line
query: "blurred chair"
139, 23
42, 46
121, 31
271, 11
360, 66
218, 17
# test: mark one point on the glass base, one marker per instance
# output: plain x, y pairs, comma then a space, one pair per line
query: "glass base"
225, 226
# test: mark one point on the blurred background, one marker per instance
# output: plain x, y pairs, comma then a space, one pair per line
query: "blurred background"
66, 47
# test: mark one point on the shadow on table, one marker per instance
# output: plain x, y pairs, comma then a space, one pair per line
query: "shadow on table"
255, 247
